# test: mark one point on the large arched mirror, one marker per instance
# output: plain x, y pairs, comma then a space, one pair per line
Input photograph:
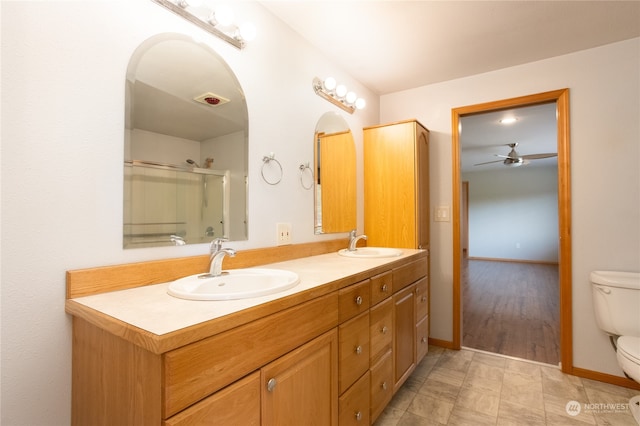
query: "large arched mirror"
335, 175
185, 151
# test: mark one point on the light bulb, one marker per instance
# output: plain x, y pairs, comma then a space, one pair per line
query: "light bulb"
360, 103
247, 31
341, 90
329, 84
224, 15
350, 98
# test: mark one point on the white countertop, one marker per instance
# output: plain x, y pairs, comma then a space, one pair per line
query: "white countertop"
152, 309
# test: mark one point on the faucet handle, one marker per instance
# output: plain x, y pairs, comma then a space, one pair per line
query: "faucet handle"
353, 233
216, 244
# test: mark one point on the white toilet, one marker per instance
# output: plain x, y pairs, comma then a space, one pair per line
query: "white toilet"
616, 301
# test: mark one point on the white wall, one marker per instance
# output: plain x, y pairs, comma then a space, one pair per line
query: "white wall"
513, 213
63, 81
605, 200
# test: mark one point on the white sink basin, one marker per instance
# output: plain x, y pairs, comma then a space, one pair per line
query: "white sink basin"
368, 252
233, 284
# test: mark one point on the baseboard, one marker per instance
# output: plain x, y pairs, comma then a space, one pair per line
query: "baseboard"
495, 259
606, 378
442, 343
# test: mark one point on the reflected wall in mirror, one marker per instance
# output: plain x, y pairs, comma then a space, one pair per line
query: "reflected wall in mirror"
185, 151
335, 175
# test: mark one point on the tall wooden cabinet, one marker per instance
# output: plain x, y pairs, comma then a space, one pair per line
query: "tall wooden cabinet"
396, 185
396, 202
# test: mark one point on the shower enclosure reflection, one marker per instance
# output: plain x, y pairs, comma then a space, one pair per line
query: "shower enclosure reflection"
167, 204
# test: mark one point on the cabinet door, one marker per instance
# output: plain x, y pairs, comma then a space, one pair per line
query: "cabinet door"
389, 185
381, 384
422, 338
301, 387
354, 403
354, 350
404, 334
238, 403
381, 329
422, 190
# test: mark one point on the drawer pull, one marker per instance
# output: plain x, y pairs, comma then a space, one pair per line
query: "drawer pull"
359, 415
384, 385
359, 300
424, 299
384, 288
384, 329
424, 340
271, 384
359, 350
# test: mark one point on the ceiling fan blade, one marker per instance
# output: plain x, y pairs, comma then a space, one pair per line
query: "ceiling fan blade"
539, 156
488, 162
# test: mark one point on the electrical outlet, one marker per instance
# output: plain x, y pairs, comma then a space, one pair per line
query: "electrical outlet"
284, 234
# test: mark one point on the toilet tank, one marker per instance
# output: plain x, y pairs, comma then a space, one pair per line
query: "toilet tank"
616, 301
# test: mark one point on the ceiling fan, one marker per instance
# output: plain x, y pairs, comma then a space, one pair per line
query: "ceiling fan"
513, 159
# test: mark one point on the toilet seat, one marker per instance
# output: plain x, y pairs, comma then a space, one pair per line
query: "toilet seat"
628, 355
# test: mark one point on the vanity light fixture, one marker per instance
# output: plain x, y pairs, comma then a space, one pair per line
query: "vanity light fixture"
338, 94
218, 22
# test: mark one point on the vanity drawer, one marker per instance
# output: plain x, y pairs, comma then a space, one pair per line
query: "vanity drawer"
353, 350
238, 403
381, 287
353, 300
353, 407
381, 384
409, 273
380, 330
195, 371
422, 338
422, 298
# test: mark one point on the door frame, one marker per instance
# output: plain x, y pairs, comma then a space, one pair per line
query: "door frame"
561, 99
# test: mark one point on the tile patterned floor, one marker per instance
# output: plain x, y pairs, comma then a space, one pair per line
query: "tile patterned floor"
475, 388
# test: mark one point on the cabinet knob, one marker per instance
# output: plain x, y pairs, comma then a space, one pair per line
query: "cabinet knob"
271, 384
359, 350
359, 415
384, 385
384, 329
424, 298
424, 340
384, 288
359, 300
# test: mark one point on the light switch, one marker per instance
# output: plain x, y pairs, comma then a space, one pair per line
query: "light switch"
443, 214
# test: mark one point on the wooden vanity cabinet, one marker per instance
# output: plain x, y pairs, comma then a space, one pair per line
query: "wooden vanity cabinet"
301, 387
346, 355
396, 185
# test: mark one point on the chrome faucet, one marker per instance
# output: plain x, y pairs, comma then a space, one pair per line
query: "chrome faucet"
353, 240
217, 254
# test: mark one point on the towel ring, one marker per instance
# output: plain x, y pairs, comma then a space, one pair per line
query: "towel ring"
266, 160
304, 167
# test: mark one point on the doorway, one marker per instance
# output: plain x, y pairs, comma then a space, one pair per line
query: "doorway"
561, 100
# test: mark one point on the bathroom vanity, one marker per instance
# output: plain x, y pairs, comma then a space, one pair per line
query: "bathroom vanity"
332, 350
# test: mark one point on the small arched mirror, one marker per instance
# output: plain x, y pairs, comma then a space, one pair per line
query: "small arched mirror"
335, 175
185, 151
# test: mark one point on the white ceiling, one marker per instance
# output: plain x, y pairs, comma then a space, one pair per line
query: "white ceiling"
395, 45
